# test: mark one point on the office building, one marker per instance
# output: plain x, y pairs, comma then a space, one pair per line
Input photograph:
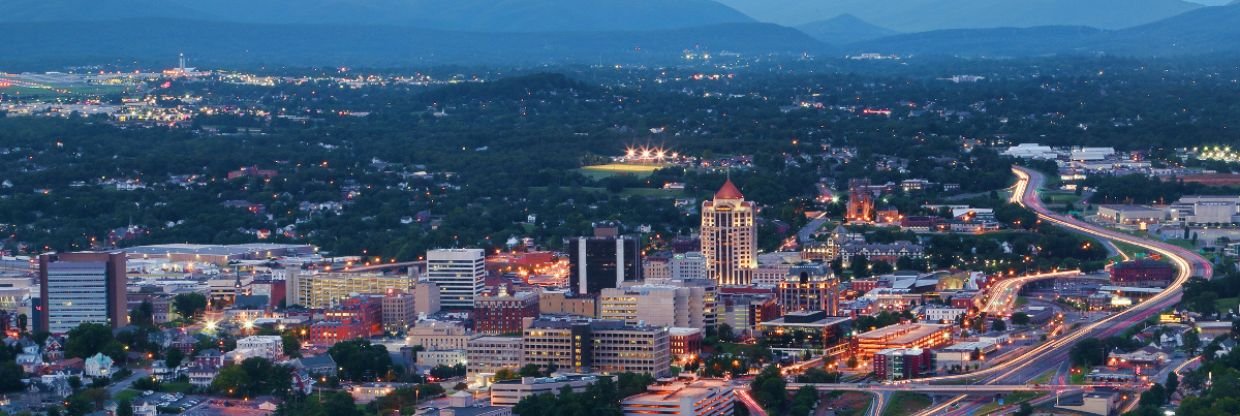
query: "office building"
578, 345
685, 342
800, 332
503, 314
459, 273
901, 363
597, 263
439, 335
425, 298
82, 287
398, 311
564, 303
687, 266
488, 355
657, 305
682, 397
809, 287
729, 236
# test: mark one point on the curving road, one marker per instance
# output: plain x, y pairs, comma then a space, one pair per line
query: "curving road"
1053, 353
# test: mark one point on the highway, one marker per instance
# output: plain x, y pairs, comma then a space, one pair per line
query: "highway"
1054, 352
1002, 297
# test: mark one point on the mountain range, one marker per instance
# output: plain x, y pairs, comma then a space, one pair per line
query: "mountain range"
400, 32
927, 15
522, 16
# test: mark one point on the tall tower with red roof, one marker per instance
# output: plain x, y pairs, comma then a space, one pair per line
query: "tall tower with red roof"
729, 237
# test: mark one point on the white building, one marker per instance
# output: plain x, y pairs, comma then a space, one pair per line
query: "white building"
1031, 151
939, 314
447, 358
682, 398
491, 354
270, 347
99, 365
684, 266
459, 273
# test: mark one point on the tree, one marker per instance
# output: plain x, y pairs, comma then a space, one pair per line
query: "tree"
232, 381
189, 305
291, 345
361, 360
1020, 318
860, 266
1025, 409
1155, 396
22, 322
769, 390
88, 339
725, 333
124, 408
173, 358
998, 325
882, 267
530, 370
1191, 342
1172, 384
506, 374
142, 315
11, 376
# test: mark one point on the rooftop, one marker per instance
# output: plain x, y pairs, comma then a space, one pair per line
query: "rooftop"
901, 333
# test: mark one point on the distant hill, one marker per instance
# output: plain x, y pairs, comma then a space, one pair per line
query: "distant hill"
1203, 31
1209, 30
925, 15
844, 29
1001, 42
458, 15
157, 41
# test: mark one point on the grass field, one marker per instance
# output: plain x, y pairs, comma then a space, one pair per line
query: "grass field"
850, 403
613, 169
646, 192
1226, 304
62, 91
905, 403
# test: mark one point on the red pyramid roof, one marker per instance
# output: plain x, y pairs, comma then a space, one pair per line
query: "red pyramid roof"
728, 191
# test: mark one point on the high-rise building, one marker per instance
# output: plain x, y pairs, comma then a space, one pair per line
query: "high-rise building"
729, 237
600, 262
82, 287
809, 287
459, 273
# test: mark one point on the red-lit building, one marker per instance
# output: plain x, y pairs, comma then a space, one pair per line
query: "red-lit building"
496, 315
1143, 272
901, 363
328, 333
863, 285
365, 312
685, 341
964, 300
